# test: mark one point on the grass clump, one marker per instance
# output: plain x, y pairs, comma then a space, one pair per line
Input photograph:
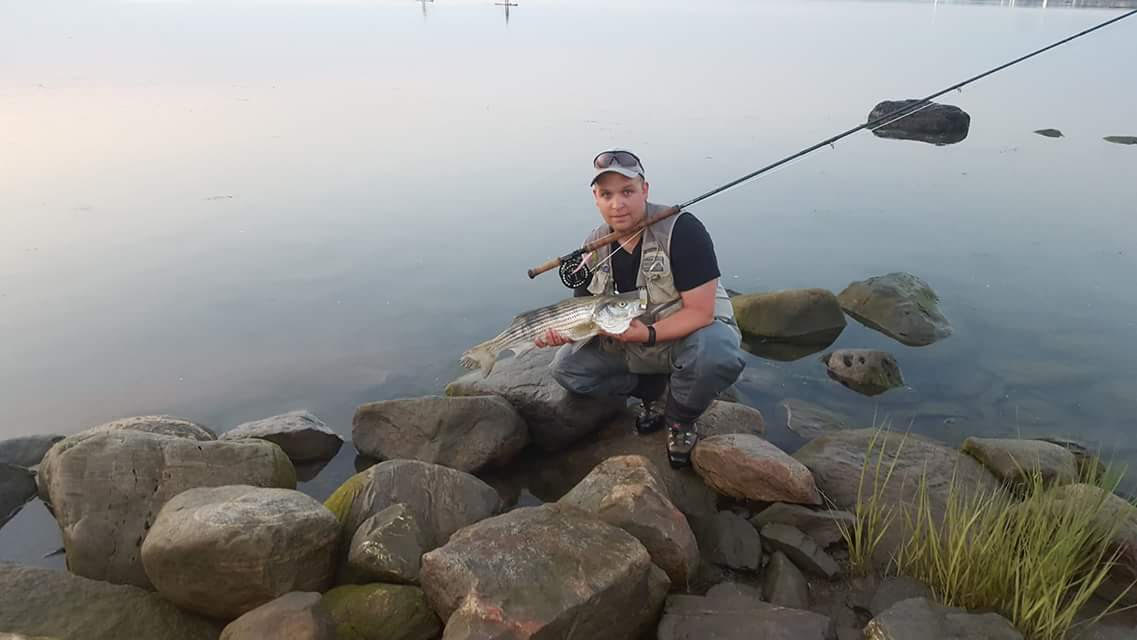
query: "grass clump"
872, 516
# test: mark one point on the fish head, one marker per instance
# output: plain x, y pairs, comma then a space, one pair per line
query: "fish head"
614, 314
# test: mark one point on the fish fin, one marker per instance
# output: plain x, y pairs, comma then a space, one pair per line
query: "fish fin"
479, 357
522, 348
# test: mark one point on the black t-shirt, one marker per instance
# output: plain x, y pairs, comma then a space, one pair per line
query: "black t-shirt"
693, 260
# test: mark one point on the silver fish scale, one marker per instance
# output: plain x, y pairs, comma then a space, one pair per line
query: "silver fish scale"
531, 324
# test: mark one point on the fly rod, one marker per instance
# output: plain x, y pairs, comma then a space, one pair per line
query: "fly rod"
570, 265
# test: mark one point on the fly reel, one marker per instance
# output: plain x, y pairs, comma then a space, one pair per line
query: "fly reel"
574, 273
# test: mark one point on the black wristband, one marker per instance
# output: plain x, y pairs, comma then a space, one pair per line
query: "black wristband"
650, 336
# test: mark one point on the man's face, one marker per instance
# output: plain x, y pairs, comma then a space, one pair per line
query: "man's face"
621, 200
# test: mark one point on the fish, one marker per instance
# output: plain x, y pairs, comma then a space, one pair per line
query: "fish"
577, 319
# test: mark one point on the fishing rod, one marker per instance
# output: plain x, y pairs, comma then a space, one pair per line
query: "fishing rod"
574, 273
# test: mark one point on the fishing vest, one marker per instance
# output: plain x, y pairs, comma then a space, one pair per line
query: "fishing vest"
655, 276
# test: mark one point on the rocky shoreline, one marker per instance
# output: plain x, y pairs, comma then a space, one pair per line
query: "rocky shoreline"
171, 531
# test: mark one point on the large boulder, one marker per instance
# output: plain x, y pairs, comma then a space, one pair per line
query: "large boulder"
299, 615
920, 618
937, 124
698, 618
26, 451
17, 486
55, 603
899, 305
555, 417
543, 572
626, 491
748, 467
838, 459
303, 436
551, 476
387, 547
466, 433
160, 425
107, 486
381, 612
867, 371
1016, 460
803, 316
442, 500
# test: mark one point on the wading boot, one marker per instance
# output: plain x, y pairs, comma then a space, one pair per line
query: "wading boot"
681, 439
650, 417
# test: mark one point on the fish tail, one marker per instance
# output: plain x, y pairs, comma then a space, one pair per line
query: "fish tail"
481, 356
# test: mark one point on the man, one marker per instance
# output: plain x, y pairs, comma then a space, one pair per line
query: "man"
687, 337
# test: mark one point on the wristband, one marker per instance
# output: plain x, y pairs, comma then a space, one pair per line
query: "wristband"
650, 336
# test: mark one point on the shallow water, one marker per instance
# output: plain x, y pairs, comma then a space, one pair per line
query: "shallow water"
229, 210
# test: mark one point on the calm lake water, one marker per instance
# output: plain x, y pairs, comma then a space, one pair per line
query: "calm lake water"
229, 210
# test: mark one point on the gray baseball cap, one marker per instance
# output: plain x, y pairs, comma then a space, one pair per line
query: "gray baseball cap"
619, 161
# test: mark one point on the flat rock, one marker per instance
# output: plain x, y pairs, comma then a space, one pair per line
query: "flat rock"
303, 436
56, 603
805, 316
748, 467
895, 589
899, 305
728, 540
937, 124
823, 526
555, 417
388, 547
1016, 461
381, 612
17, 486
482, 582
465, 433
869, 372
299, 615
801, 549
784, 584
627, 492
809, 420
26, 451
107, 486
224, 551
919, 618
697, 618
734, 591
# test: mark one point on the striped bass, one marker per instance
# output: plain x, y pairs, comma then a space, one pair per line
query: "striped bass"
575, 318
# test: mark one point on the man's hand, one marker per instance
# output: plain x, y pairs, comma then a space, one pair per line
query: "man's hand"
636, 332
551, 339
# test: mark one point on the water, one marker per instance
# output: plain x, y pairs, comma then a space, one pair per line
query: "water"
229, 210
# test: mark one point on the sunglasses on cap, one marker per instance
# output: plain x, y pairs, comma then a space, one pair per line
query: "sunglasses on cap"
625, 159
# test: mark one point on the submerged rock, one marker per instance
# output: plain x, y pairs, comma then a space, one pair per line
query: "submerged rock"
809, 420
899, 305
1049, 133
867, 371
800, 316
303, 436
938, 124
1121, 139
919, 618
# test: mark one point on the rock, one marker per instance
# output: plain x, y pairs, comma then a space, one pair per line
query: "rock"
224, 551
696, 618
866, 371
1049, 133
27, 451
482, 582
381, 612
17, 486
160, 425
626, 492
801, 549
52, 602
388, 547
1016, 461
899, 305
919, 618
748, 467
442, 500
784, 584
465, 433
809, 420
1089, 461
801, 316
937, 124
303, 436
1119, 517
894, 589
837, 460
728, 540
770, 349
1121, 139
550, 477
106, 488
823, 526
555, 417
734, 591
299, 615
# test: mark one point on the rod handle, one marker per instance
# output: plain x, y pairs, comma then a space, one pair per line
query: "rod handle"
542, 268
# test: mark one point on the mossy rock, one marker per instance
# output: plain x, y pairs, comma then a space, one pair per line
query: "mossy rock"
381, 612
339, 503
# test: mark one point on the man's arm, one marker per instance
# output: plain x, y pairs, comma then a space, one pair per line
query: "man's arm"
698, 311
